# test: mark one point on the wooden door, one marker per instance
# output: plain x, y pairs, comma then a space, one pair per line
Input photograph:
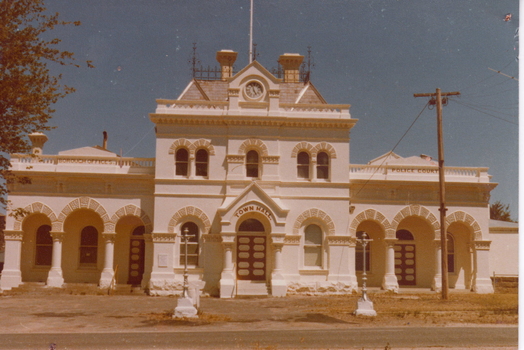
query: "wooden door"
405, 267
251, 258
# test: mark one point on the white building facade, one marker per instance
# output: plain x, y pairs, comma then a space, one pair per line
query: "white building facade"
255, 168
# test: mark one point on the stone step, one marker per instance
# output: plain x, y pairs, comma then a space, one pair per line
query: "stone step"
252, 288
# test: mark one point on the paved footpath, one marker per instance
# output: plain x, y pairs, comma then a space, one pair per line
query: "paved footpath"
141, 322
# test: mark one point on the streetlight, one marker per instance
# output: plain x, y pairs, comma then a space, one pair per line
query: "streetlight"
185, 307
364, 304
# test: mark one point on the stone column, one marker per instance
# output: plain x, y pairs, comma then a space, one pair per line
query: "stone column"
390, 281
108, 273
482, 282
148, 260
278, 283
191, 165
227, 278
437, 279
162, 281
352, 245
55, 277
11, 274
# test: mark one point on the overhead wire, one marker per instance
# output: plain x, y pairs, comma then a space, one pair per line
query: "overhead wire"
481, 111
143, 137
393, 149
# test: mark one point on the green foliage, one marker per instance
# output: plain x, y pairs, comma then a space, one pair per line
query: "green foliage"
499, 211
27, 89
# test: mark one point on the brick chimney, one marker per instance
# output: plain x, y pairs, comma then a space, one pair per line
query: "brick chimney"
290, 62
37, 142
226, 58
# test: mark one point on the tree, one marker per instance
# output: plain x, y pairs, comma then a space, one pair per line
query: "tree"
499, 211
27, 88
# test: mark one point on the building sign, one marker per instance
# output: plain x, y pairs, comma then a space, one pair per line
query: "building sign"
414, 171
252, 208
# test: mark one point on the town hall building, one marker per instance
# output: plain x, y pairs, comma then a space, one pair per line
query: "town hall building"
256, 168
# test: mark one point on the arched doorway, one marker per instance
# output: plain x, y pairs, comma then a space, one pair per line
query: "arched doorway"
251, 251
405, 267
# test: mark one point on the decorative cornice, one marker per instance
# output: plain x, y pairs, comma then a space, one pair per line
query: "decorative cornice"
292, 239
482, 245
270, 159
211, 238
163, 237
12, 235
339, 240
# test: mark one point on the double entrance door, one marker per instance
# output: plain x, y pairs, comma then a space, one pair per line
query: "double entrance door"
251, 257
405, 268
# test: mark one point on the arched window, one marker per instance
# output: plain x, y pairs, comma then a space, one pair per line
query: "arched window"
88, 246
451, 253
252, 164
192, 244
44, 246
313, 246
303, 165
359, 254
404, 235
322, 165
181, 162
251, 225
201, 162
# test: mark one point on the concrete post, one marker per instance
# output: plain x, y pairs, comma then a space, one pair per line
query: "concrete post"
437, 279
482, 283
11, 274
55, 277
390, 281
227, 278
108, 272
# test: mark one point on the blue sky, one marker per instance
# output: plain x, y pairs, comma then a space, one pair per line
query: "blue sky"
372, 54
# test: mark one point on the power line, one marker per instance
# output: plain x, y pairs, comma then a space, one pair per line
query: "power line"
478, 110
392, 150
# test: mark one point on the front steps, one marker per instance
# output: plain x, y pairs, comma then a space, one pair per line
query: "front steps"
252, 288
40, 288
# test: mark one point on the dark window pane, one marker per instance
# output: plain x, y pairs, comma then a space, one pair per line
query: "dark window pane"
404, 235
43, 236
322, 159
251, 225
201, 156
322, 172
252, 157
201, 169
89, 236
451, 262
303, 158
251, 170
181, 169
88, 255
44, 255
182, 155
181, 162
139, 231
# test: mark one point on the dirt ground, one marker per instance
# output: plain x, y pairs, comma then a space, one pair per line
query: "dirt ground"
416, 309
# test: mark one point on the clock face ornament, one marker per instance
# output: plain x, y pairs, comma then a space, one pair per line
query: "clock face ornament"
254, 89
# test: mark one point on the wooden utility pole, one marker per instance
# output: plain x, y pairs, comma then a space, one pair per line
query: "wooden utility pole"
437, 99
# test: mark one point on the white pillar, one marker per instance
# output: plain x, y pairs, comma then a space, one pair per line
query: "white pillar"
390, 281
227, 278
11, 274
278, 283
482, 282
55, 277
108, 273
437, 279
162, 281
148, 260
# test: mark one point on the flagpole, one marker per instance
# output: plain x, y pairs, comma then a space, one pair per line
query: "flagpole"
251, 34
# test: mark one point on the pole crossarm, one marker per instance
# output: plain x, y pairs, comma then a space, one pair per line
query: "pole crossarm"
435, 94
